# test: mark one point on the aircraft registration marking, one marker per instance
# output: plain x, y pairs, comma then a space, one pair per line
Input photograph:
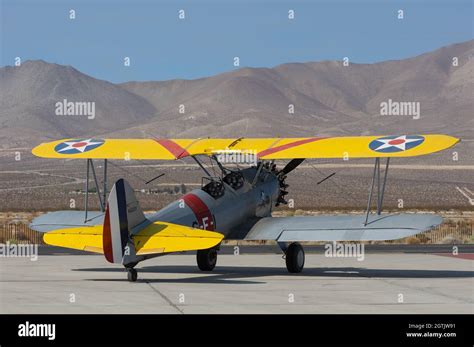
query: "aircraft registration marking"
201, 211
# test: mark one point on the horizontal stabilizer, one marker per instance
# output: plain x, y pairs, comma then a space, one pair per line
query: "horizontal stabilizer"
342, 227
66, 219
84, 238
161, 237
158, 237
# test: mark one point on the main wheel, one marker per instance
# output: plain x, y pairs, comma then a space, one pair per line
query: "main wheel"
206, 259
132, 274
294, 258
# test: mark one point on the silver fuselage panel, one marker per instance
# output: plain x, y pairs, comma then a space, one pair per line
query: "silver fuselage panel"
232, 214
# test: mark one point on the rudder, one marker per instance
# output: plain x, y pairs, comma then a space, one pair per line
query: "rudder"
122, 214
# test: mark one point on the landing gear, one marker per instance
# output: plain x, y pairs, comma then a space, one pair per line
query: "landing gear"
131, 274
294, 258
207, 259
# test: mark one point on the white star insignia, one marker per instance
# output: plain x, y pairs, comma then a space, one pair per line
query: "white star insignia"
74, 145
399, 142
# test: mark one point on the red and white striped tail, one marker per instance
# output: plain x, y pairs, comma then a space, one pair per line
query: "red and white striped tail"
122, 214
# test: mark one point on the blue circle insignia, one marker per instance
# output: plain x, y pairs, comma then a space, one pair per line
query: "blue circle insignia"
393, 144
78, 146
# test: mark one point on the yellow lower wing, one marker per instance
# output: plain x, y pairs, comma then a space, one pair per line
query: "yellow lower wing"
158, 237
263, 148
161, 237
84, 238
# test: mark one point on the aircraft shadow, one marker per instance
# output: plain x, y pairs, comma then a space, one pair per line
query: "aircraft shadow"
241, 274
213, 279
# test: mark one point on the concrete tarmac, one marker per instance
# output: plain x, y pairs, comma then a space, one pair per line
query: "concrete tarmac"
245, 283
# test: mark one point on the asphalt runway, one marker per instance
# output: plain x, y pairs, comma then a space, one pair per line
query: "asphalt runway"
246, 283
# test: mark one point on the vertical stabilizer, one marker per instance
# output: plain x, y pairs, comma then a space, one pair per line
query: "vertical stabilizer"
122, 214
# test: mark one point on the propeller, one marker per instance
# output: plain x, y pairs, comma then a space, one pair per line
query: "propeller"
293, 164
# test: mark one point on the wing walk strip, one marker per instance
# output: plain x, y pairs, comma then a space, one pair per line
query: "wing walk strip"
176, 150
280, 148
277, 141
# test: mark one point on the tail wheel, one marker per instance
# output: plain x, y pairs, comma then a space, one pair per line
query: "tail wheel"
132, 274
207, 259
294, 258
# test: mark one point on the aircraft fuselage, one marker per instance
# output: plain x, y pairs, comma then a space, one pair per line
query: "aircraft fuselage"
233, 213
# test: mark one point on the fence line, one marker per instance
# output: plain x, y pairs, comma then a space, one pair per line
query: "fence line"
20, 233
442, 232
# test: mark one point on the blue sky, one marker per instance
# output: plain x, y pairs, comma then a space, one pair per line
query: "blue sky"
163, 47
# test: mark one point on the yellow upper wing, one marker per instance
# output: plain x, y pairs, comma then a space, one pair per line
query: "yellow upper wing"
158, 237
263, 148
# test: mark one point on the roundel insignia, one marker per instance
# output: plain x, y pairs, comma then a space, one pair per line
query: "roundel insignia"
78, 146
393, 144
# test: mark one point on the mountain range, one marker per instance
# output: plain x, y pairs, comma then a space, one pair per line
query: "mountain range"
327, 98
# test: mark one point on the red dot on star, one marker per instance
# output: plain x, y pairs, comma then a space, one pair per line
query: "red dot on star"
79, 144
396, 142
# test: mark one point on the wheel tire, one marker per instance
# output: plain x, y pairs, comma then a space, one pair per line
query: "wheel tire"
132, 275
295, 258
206, 259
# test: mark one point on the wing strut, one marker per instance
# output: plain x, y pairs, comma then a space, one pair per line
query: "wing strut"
380, 201
201, 166
104, 198
257, 174
380, 189
90, 165
86, 203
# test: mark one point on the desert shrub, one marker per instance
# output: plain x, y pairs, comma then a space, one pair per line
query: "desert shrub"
413, 240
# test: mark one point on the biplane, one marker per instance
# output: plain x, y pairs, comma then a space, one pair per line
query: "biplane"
235, 204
